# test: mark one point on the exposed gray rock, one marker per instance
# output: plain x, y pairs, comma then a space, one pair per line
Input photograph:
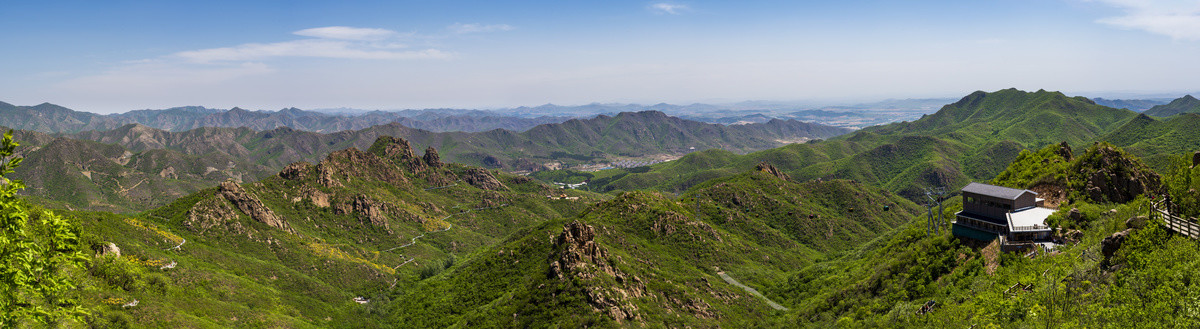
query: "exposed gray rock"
249, 204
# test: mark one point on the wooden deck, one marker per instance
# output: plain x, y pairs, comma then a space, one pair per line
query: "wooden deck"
1175, 223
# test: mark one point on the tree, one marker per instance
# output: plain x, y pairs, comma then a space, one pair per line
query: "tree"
37, 254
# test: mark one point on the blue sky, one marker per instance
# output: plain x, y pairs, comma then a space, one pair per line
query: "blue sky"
115, 56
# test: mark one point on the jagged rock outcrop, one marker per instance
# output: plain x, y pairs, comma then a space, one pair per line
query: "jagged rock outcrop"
395, 147
768, 168
325, 176
373, 211
482, 178
351, 162
297, 171
1064, 151
1111, 175
1196, 159
317, 197
214, 211
580, 257
249, 204
398, 150
432, 158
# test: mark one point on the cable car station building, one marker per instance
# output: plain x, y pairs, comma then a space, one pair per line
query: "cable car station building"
991, 211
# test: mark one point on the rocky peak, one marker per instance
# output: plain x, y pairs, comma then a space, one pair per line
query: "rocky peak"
249, 204
482, 178
392, 147
398, 150
296, 171
1111, 175
1064, 151
768, 168
434, 160
580, 257
355, 163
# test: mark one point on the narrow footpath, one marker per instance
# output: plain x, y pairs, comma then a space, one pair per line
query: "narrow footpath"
752, 291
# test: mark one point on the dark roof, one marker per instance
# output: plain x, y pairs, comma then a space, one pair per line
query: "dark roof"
995, 191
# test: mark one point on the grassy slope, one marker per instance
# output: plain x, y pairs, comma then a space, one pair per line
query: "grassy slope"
243, 273
754, 226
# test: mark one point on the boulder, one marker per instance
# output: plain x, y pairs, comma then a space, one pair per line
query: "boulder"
110, 249
1075, 215
1196, 159
1137, 222
1112, 243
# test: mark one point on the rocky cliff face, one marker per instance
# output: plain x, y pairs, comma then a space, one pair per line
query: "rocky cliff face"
1111, 175
249, 204
367, 208
482, 178
580, 257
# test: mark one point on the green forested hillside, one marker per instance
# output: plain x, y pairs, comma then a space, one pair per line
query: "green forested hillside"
971, 139
645, 258
294, 249
1115, 268
1185, 104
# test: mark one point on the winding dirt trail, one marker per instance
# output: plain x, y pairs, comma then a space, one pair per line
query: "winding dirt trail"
750, 290
414, 239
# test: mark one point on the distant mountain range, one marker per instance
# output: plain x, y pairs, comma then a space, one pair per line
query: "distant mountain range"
50, 118
97, 169
1138, 105
1185, 104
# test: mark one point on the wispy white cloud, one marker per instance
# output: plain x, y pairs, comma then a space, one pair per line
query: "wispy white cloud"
1179, 19
326, 42
215, 66
347, 33
307, 48
461, 28
668, 8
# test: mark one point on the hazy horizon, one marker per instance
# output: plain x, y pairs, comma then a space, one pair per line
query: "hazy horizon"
390, 55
